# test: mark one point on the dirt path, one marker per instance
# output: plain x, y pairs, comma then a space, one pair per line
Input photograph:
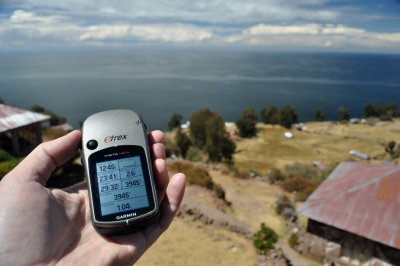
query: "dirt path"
254, 203
292, 255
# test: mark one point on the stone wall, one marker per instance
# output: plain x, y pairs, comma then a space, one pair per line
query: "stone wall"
325, 244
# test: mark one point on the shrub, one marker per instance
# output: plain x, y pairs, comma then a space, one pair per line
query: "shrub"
175, 121
319, 114
385, 112
264, 239
275, 176
302, 186
287, 116
5, 156
307, 171
37, 108
385, 117
194, 154
239, 174
390, 146
247, 123
282, 203
253, 173
343, 114
54, 118
293, 240
170, 147
242, 175
7, 166
183, 142
7, 162
369, 110
269, 115
219, 190
198, 175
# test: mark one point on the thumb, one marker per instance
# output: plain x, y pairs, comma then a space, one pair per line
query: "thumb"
41, 162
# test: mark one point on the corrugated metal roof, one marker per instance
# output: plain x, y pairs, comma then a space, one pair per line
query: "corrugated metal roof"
360, 198
12, 118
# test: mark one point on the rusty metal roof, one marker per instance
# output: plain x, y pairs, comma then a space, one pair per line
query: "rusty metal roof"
12, 118
360, 198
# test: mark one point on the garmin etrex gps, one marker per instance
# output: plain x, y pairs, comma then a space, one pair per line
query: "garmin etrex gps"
118, 166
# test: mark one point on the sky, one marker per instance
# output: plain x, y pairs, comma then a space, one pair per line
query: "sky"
272, 25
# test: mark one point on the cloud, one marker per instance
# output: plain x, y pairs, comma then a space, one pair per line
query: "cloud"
21, 16
314, 35
180, 11
170, 33
30, 26
24, 28
263, 29
341, 29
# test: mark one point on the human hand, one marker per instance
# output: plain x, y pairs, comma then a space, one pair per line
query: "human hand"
39, 225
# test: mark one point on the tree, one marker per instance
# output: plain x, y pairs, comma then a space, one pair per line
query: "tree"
54, 118
264, 239
287, 116
37, 108
218, 145
183, 142
175, 121
198, 126
343, 114
269, 115
247, 123
369, 110
390, 147
319, 114
207, 131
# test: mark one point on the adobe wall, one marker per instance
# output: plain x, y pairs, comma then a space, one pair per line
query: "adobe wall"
324, 243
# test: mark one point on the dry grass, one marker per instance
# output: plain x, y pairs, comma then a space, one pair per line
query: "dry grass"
190, 243
252, 201
326, 141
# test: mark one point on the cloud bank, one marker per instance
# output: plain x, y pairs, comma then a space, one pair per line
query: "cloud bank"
306, 24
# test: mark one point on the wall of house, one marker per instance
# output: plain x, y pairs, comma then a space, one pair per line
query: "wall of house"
329, 244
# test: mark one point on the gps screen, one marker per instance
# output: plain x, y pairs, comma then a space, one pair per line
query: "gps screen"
121, 185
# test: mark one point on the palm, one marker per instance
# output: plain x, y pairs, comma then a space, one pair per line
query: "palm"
40, 225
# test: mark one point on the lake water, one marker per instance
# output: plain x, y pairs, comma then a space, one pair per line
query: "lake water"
158, 83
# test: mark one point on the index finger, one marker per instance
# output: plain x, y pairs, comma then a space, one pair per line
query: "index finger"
156, 136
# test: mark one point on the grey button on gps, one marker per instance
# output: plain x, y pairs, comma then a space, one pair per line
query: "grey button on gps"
91, 144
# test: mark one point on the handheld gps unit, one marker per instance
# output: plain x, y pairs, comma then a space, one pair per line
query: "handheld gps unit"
117, 161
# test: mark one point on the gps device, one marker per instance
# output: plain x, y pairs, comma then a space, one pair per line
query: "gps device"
117, 161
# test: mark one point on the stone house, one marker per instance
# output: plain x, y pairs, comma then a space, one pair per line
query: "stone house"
354, 216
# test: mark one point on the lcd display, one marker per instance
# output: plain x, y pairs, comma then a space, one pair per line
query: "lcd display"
121, 185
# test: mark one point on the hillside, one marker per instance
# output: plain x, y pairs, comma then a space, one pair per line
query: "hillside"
208, 231
197, 238
329, 142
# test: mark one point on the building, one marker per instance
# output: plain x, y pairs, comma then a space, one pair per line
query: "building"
354, 216
20, 130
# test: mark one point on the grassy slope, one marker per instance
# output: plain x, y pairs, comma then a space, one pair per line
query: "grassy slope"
326, 141
191, 243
